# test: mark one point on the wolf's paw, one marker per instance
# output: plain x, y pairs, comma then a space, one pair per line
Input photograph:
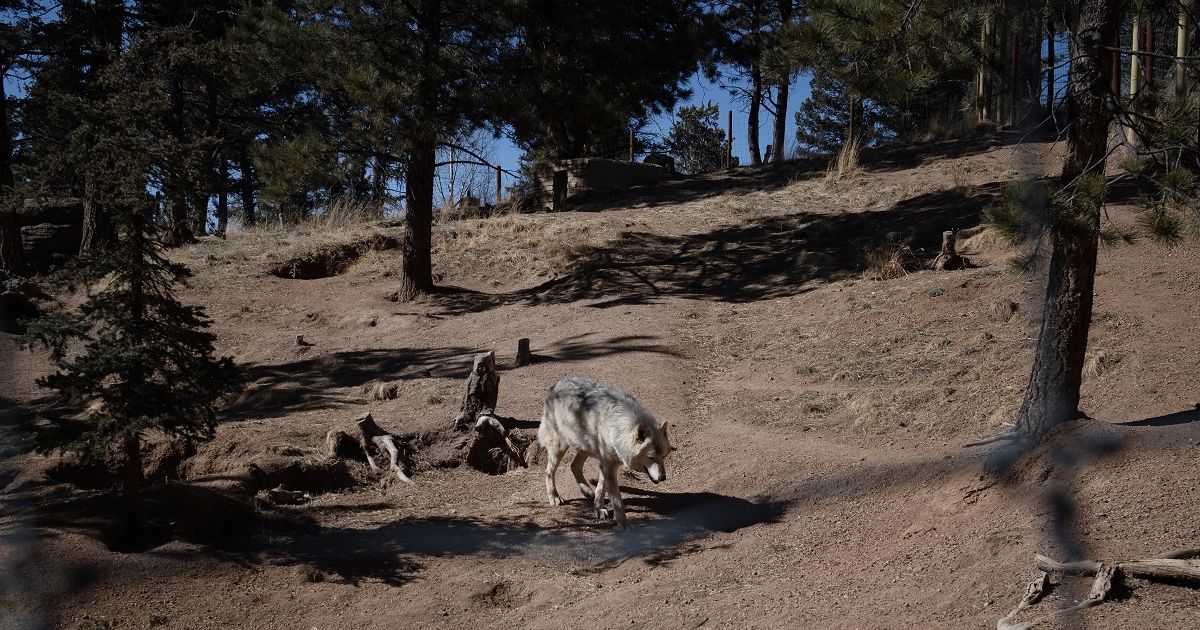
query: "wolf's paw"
556, 500
603, 514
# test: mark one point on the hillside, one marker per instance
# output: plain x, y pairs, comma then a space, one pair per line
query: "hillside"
820, 416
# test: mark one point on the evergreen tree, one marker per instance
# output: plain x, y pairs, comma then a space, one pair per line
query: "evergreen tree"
140, 359
696, 140
578, 75
831, 112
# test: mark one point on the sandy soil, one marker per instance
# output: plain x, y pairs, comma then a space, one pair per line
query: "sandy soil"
820, 481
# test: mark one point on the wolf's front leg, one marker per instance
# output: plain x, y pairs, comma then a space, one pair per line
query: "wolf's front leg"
552, 459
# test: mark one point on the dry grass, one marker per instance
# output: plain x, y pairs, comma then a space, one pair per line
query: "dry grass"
1098, 363
846, 163
885, 262
381, 390
520, 247
988, 238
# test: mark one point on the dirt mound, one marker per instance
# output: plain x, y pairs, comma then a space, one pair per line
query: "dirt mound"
332, 259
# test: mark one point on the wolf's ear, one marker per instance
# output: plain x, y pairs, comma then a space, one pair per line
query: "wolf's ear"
663, 428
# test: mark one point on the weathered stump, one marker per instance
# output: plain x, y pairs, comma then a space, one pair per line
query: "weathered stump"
948, 259
495, 449
524, 356
371, 441
483, 387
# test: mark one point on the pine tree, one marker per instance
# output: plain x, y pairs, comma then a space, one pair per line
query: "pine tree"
696, 140
831, 114
139, 359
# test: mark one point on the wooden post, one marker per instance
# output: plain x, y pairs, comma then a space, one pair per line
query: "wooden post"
499, 190
524, 356
729, 141
1135, 60
1180, 53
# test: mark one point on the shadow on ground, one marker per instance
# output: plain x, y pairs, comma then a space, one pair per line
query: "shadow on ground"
765, 258
318, 382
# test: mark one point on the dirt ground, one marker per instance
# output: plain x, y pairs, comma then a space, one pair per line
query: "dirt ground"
820, 415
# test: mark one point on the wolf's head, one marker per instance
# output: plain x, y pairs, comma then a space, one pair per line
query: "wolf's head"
650, 451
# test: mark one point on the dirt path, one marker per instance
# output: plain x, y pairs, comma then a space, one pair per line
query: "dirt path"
820, 479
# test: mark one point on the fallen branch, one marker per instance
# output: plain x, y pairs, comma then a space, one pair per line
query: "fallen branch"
1177, 569
1008, 436
339, 443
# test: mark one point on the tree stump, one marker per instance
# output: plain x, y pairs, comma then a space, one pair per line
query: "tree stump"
483, 387
372, 441
948, 259
524, 356
495, 449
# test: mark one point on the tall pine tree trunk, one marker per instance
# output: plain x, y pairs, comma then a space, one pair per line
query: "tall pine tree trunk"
177, 194
783, 87
222, 196
416, 256
416, 263
12, 257
98, 232
1181, 31
97, 225
1050, 61
756, 87
248, 189
1052, 396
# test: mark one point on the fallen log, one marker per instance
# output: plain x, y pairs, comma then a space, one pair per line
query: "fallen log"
1178, 568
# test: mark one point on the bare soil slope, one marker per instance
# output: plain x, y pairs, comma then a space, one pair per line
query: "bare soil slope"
820, 415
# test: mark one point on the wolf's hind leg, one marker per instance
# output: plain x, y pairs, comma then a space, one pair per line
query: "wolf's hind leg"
577, 469
601, 488
614, 493
552, 458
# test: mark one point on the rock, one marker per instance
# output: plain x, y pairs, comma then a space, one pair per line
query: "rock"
49, 244
20, 298
282, 496
662, 159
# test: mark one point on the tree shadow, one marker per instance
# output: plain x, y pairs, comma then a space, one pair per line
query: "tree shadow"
320, 382
1166, 420
766, 258
776, 176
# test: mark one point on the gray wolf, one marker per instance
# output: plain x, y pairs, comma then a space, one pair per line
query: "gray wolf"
601, 421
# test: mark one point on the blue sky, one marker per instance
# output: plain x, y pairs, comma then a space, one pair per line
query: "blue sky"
703, 91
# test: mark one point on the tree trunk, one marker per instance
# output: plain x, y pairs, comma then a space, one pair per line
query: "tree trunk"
97, 225
11, 254
783, 88
1052, 396
249, 213
416, 263
133, 477
1181, 52
756, 89
1050, 61
983, 93
222, 196
1150, 60
1135, 60
181, 226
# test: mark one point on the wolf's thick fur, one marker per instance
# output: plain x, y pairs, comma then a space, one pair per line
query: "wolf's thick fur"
601, 421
